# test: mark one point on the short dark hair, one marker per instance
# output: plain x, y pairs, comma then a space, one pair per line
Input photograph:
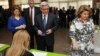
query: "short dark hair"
14, 8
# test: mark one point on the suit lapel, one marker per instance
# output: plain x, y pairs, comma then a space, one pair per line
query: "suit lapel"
41, 21
48, 21
35, 11
28, 12
28, 15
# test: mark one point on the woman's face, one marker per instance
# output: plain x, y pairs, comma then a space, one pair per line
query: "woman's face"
16, 12
84, 15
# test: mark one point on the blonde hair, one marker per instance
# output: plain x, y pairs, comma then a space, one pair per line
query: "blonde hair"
19, 44
83, 8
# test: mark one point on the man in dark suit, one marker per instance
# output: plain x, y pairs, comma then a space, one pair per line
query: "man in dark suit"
69, 15
45, 25
95, 15
63, 17
30, 14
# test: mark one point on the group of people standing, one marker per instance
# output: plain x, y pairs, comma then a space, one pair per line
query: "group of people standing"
38, 24
66, 16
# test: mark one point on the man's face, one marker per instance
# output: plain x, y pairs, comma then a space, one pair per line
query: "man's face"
31, 3
45, 9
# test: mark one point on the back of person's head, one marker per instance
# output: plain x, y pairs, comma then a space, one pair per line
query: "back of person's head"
19, 44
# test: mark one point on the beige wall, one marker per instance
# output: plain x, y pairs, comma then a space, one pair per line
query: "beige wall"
19, 2
95, 2
4, 4
66, 3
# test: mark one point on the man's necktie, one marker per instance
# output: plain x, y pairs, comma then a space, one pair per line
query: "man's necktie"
44, 25
44, 21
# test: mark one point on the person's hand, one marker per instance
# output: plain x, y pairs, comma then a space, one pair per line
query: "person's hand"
18, 27
39, 32
75, 46
93, 40
21, 27
49, 31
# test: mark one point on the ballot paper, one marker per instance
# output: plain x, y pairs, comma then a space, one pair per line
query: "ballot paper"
1, 45
39, 53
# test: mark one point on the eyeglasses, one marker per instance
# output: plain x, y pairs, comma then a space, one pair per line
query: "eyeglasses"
30, 3
45, 9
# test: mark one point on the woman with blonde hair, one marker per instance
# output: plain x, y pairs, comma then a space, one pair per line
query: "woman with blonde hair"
81, 33
20, 44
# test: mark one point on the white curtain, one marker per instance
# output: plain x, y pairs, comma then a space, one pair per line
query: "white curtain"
21, 2
4, 4
84, 2
53, 0
66, 3
54, 5
73, 4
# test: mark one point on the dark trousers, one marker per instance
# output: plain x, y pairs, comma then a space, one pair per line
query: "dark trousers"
31, 32
96, 19
45, 43
13, 33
